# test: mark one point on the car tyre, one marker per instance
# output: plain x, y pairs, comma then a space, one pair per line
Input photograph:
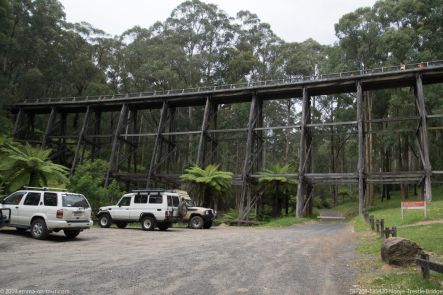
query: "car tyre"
163, 226
39, 230
207, 224
148, 223
196, 222
104, 221
121, 224
71, 233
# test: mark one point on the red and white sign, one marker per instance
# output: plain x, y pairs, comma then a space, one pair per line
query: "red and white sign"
421, 205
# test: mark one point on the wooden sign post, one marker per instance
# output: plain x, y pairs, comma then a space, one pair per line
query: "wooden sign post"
413, 205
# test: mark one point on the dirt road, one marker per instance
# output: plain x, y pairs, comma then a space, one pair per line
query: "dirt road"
307, 259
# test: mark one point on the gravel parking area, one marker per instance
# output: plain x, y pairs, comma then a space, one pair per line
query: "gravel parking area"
305, 259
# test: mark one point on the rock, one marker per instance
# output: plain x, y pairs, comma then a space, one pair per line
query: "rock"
400, 251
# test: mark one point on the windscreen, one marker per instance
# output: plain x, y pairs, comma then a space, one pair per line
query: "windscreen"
188, 202
74, 200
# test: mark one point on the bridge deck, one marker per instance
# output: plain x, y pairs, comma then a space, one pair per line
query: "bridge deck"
236, 94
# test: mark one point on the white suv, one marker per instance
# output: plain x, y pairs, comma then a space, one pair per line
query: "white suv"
46, 210
151, 207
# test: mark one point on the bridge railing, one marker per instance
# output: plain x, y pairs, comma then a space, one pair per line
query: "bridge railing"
203, 89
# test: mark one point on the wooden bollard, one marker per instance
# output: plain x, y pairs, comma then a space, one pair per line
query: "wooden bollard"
425, 269
394, 231
371, 221
387, 232
382, 228
377, 225
366, 216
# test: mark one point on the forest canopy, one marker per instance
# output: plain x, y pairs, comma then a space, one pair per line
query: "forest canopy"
43, 55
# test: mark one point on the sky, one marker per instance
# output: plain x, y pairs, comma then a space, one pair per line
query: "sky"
291, 20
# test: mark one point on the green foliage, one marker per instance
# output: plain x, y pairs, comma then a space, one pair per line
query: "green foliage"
426, 235
211, 182
88, 179
276, 187
26, 165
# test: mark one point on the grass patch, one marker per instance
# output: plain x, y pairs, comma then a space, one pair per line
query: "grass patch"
404, 280
374, 273
429, 237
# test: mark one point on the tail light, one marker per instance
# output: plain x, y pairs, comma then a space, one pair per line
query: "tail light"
59, 213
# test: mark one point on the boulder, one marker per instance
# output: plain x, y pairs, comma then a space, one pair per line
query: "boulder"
400, 251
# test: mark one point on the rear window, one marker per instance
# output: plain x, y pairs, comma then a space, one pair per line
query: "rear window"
173, 201
155, 199
74, 200
141, 199
50, 199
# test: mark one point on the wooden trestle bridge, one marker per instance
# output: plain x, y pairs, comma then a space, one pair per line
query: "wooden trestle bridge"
125, 135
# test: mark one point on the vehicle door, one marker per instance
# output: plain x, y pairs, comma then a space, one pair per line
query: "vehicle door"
50, 203
173, 202
155, 205
29, 207
122, 211
13, 202
140, 205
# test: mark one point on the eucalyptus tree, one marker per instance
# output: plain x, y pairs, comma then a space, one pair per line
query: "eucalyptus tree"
205, 33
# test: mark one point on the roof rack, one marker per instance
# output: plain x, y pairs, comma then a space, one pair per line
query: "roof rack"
149, 190
45, 188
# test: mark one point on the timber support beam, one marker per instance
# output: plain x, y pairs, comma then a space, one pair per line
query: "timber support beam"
361, 149
115, 143
48, 129
304, 154
165, 115
209, 118
252, 157
80, 139
422, 136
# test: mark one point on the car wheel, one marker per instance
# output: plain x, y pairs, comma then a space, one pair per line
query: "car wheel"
121, 224
20, 229
71, 233
104, 220
163, 226
148, 223
196, 222
39, 230
207, 224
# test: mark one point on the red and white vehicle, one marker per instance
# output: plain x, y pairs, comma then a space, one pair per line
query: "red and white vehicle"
45, 210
